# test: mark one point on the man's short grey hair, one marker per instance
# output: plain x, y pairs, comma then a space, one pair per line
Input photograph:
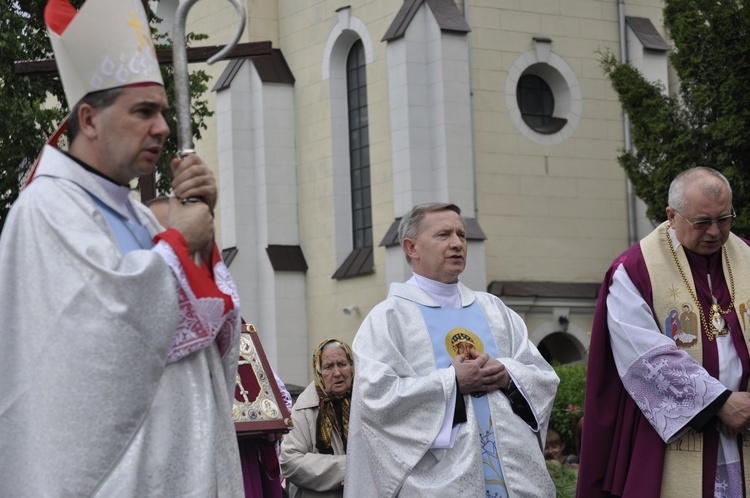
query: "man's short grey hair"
412, 223
677, 200
98, 100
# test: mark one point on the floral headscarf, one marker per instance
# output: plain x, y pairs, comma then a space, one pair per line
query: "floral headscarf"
334, 408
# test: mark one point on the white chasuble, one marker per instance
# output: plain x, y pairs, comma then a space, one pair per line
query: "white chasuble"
89, 403
401, 396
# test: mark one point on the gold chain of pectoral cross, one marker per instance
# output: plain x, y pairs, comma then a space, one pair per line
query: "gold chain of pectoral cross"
712, 331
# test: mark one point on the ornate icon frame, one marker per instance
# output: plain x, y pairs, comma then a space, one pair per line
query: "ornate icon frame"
267, 412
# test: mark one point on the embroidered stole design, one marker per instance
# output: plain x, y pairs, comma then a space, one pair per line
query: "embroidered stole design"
130, 236
677, 318
452, 330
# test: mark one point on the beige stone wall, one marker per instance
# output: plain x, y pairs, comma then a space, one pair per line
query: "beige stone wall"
218, 20
305, 27
301, 29
551, 212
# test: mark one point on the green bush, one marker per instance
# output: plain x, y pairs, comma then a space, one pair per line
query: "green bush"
565, 479
568, 406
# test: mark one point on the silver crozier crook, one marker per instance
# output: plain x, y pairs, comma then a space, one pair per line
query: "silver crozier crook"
180, 62
182, 81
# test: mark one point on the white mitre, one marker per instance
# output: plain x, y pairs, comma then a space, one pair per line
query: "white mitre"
107, 44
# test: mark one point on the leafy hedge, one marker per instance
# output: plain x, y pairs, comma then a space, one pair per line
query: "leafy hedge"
568, 406
565, 479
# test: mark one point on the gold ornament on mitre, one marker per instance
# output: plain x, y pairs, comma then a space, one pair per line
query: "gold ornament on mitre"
107, 44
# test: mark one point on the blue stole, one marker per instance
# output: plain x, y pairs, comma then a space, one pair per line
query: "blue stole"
453, 331
130, 236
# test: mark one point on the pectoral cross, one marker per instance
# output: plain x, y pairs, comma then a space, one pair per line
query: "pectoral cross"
718, 324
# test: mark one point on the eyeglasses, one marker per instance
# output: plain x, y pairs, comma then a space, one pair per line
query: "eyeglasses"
721, 222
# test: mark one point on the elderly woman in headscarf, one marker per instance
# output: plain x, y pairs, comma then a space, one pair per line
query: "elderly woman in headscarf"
313, 454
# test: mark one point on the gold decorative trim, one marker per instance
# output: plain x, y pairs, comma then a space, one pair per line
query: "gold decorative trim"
264, 407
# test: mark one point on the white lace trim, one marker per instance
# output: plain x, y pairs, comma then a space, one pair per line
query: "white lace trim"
202, 320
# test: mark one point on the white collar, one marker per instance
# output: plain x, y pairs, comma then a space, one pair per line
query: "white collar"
446, 295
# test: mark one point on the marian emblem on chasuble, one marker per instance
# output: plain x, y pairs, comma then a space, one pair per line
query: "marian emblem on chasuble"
461, 341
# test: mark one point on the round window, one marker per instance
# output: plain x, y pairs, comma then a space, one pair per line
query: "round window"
535, 100
543, 96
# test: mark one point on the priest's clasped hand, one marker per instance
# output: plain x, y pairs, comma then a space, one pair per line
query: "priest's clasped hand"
479, 373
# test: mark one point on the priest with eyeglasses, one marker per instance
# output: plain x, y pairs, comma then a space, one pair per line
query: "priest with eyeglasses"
667, 403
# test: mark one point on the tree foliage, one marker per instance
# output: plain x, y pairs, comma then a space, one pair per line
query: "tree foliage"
26, 123
708, 122
29, 119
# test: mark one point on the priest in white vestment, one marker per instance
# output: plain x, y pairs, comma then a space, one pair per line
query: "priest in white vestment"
450, 397
119, 352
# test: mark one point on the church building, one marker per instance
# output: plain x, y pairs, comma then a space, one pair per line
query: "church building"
368, 107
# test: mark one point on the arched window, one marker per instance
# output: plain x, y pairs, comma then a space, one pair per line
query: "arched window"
359, 146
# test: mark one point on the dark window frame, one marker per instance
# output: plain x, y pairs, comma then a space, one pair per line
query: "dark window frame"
360, 260
536, 102
359, 147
